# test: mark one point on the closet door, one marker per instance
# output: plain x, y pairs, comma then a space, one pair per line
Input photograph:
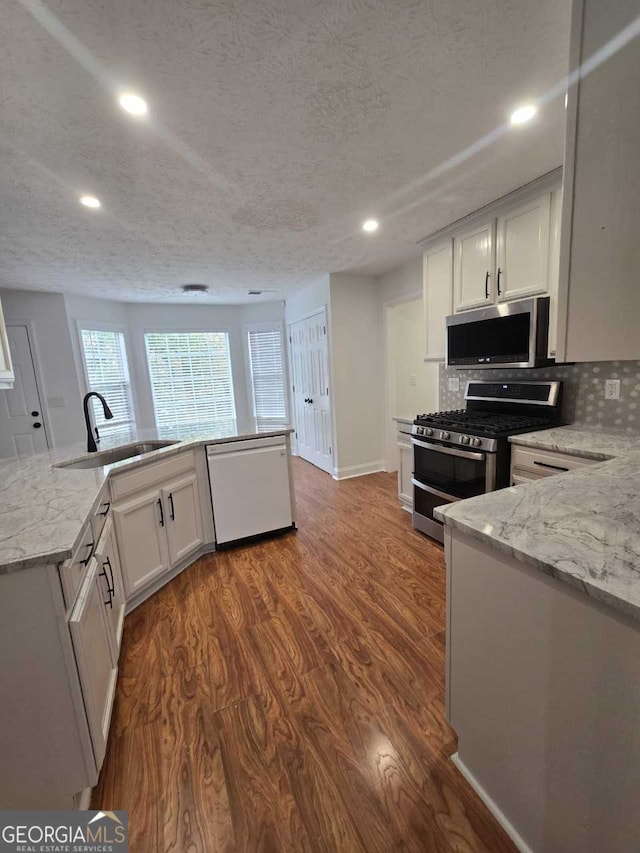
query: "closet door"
308, 341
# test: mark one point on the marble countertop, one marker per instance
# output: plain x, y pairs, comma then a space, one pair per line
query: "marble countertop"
401, 420
581, 527
43, 508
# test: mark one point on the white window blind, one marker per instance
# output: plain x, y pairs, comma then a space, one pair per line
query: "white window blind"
266, 359
105, 359
191, 379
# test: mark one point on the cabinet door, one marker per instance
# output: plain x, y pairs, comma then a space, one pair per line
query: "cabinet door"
473, 266
142, 540
437, 285
110, 576
6, 369
522, 250
405, 473
183, 519
90, 637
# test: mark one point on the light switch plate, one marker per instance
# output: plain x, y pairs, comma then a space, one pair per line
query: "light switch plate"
412, 379
454, 384
612, 389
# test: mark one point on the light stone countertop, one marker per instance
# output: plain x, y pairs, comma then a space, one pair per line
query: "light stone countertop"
400, 420
43, 508
581, 527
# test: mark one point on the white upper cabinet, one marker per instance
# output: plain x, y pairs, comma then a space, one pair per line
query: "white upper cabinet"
473, 265
437, 283
522, 250
599, 295
6, 367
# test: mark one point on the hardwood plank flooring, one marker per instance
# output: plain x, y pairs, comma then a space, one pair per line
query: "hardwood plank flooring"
289, 695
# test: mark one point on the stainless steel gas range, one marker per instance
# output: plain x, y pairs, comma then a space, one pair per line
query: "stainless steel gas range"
465, 453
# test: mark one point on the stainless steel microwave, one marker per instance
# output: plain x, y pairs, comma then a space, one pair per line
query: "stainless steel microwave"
513, 334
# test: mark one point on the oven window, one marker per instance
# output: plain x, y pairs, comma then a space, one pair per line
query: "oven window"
453, 475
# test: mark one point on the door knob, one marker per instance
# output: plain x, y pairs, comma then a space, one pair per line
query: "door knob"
37, 425
34, 414
309, 400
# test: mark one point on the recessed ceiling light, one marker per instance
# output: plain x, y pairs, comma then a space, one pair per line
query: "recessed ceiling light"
90, 201
370, 225
523, 114
194, 288
132, 103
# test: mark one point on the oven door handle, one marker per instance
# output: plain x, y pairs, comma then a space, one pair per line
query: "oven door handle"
433, 491
451, 451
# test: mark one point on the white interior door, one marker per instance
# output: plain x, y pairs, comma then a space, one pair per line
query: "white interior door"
22, 430
311, 399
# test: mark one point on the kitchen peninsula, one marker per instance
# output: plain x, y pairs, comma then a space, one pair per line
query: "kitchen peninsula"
543, 655
81, 543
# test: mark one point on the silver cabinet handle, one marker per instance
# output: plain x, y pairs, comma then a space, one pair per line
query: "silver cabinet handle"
450, 451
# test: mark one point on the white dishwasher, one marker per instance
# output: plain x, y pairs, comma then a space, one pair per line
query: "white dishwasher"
250, 487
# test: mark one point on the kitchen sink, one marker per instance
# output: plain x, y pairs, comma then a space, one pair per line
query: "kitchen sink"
116, 454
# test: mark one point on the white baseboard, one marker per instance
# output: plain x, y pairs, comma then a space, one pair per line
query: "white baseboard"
506, 824
358, 470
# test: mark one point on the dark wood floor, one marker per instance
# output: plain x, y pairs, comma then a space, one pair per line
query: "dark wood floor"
289, 696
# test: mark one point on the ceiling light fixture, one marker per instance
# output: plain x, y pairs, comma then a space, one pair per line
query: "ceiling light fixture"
90, 201
194, 288
523, 114
132, 103
370, 225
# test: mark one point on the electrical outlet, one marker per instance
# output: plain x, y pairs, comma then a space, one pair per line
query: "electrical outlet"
454, 384
612, 389
412, 379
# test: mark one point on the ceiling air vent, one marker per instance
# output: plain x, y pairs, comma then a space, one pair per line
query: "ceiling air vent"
194, 288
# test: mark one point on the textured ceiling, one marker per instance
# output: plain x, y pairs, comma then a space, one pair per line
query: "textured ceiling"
275, 128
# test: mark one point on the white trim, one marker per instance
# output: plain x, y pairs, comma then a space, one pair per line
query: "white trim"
499, 815
389, 415
89, 326
266, 326
359, 470
84, 800
35, 360
324, 307
491, 210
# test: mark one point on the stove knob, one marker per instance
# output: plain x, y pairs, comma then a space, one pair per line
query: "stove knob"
428, 431
445, 436
464, 439
477, 442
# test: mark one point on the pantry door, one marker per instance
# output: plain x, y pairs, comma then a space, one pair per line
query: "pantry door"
308, 343
22, 428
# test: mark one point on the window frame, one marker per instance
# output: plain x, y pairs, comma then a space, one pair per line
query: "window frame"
185, 329
265, 326
91, 326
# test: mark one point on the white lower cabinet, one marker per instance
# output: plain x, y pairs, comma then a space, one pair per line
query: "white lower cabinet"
142, 540
109, 571
184, 522
90, 636
405, 471
158, 528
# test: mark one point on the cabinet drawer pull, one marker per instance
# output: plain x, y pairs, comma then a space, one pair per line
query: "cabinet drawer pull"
107, 505
161, 513
90, 546
499, 274
547, 465
173, 510
486, 285
111, 584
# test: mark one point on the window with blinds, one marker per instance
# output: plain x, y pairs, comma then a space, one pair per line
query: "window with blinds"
266, 360
107, 372
191, 379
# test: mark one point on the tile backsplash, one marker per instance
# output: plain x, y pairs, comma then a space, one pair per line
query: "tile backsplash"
583, 391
